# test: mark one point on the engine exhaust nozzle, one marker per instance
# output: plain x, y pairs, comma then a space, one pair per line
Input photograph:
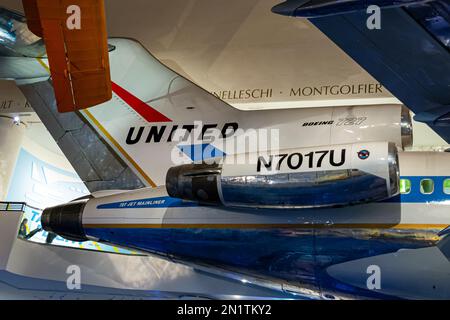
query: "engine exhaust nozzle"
65, 220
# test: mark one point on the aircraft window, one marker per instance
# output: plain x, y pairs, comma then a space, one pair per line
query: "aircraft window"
426, 186
405, 186
447, 186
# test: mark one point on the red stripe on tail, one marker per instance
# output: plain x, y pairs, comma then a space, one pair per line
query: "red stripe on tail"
143, 109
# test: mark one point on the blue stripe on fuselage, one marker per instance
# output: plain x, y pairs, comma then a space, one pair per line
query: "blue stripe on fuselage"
414, 196
159, 202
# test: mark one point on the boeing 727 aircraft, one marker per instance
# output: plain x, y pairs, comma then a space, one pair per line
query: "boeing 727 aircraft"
323, 203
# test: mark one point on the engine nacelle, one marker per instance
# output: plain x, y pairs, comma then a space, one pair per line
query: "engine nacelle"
66, 220
296, 178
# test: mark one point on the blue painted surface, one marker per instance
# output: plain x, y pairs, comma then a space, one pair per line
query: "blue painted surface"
294, 192
409, 55
320, 8
158, 202
435, 17
199, 152
414, 196
298, 256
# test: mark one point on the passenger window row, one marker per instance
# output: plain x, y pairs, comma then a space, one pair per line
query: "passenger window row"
426, 186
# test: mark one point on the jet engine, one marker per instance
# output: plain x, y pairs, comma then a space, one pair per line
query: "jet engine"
66, 220
324, 176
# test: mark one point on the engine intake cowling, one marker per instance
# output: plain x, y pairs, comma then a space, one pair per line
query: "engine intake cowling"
301, 178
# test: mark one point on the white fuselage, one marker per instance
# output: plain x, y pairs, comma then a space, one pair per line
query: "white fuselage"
151, 207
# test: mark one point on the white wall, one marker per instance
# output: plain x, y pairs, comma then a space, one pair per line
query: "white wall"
11, 136
234, 45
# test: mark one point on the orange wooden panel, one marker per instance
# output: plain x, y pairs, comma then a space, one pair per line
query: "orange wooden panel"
78, 58
87, 50
56, 53
32, 13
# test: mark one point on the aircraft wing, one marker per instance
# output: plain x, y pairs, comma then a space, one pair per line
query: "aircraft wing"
409, 54
399, 272
36, 271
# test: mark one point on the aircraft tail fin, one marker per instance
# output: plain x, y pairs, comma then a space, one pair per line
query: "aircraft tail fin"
108, 143
157, 119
